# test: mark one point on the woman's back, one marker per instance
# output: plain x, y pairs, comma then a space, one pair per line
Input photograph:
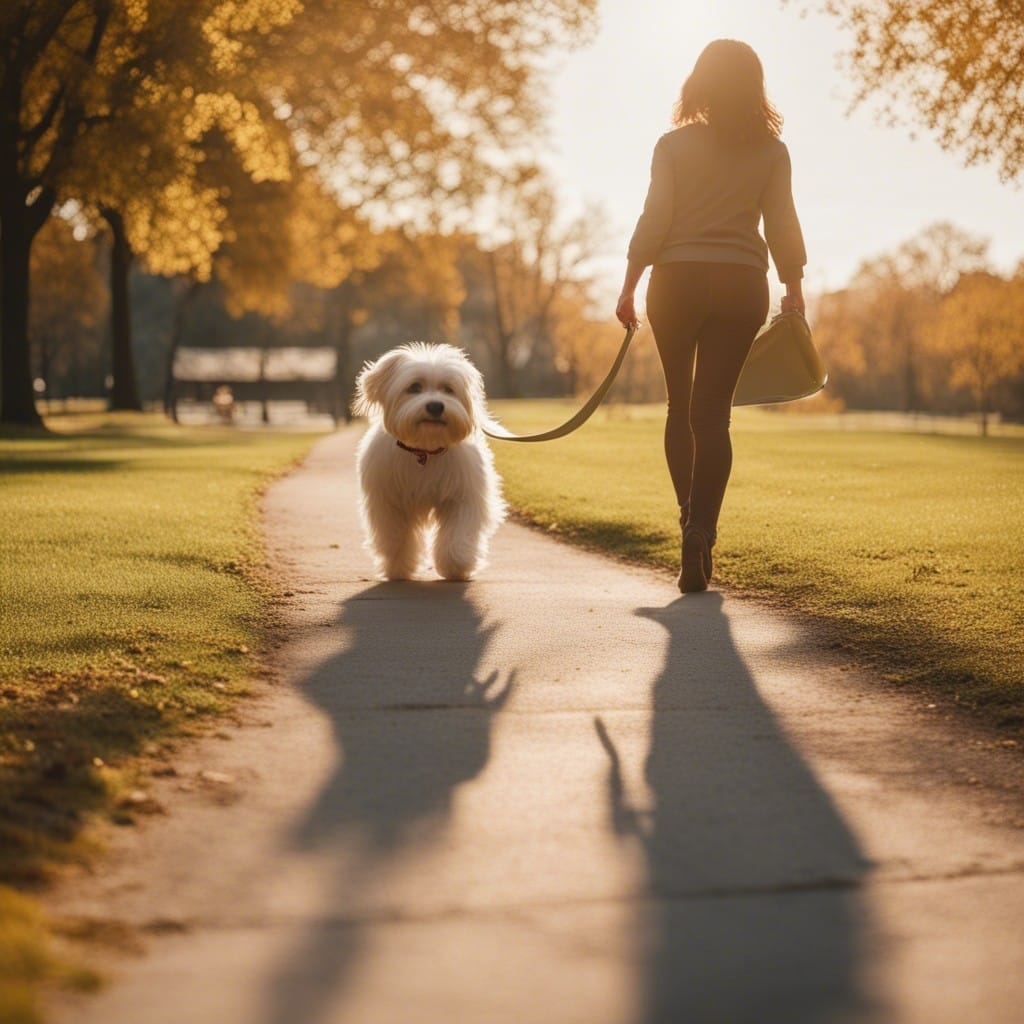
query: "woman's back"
707, 198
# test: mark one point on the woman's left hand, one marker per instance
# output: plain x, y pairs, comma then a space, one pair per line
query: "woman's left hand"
626, 311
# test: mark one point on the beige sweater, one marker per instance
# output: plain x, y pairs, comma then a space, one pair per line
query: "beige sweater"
706, 201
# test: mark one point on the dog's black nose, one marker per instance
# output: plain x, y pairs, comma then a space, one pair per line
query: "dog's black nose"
435, 408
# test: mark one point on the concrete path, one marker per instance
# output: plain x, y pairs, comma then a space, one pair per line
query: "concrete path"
559, 794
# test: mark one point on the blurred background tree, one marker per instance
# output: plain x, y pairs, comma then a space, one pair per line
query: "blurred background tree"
71, 302
981, 332
954, 68
876, 331
396, 109
525, 274
348, 174
926, 328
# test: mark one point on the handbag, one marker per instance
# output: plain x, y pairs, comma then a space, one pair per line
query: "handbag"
783, 365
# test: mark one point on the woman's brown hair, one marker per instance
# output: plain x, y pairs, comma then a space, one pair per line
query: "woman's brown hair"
725, 91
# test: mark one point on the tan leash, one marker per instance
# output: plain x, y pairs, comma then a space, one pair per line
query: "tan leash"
497, 431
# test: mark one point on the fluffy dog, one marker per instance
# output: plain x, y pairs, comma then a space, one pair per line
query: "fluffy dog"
426, 474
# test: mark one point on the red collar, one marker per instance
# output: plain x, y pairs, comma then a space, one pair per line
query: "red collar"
421, 453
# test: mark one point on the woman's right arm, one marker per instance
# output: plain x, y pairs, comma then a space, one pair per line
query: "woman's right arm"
649, 233
625, 310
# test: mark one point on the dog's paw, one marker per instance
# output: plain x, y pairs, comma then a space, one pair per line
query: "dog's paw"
401, 570
456, 574
455, 569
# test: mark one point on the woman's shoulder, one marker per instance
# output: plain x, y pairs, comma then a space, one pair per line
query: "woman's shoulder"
687, 133
697, 134
687, 138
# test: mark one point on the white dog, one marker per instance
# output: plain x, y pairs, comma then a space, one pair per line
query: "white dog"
425, 471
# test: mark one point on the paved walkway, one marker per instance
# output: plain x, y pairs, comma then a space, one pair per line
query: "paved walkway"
558, 794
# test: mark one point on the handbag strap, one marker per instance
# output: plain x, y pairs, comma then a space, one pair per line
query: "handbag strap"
497, 431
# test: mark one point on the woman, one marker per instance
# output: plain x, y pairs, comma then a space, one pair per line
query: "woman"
713, 178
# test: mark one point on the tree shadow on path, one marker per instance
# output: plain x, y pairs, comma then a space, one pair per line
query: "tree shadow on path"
755, 914
412, 723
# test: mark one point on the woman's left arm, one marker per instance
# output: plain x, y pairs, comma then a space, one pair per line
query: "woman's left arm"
782, 226
649, 233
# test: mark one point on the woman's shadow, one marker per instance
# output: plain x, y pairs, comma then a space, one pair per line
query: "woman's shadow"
754, 910
412, 722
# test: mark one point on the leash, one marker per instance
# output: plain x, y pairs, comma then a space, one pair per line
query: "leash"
497, 431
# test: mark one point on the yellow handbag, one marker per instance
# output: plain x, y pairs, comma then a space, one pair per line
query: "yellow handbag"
783, 364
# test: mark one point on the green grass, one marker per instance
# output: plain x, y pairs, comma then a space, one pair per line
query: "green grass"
133, 605
907, 548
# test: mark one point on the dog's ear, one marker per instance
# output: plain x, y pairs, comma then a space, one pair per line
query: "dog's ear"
373, 381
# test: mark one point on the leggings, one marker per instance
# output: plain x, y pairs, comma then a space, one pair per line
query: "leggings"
704, 317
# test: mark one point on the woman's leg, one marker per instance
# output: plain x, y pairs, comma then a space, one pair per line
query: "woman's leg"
739, 305
676, 307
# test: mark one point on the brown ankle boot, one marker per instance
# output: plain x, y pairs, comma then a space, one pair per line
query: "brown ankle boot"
697, 564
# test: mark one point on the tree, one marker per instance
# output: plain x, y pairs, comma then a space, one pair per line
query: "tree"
69, 303
145, 171
411, 289
958, 65
42, 113
402, 103
408, 103
74, 72
981, 332
875, 333
530, 270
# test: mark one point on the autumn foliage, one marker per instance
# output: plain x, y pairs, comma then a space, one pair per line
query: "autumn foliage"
953, 68
929, 327
250, 140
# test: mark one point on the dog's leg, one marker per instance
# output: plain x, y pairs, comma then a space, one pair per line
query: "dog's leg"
461, 540
395, 539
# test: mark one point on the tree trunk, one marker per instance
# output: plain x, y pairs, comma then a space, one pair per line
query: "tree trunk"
507, 386
911, 398
17, 399
264, 395
177, 332
342, 386
125, 392
45, 362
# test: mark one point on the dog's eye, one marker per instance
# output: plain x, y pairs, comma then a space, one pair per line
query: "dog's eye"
415, 388
448, 389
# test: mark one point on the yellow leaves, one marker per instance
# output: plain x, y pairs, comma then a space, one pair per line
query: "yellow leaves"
136, 13
264, 153
66, 286
179, 229
328, 241
232, 20
953, 68
981, 330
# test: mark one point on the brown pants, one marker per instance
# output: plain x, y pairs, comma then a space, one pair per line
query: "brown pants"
704, 317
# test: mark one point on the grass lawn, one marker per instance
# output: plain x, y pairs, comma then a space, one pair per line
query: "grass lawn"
908, 548
131, 606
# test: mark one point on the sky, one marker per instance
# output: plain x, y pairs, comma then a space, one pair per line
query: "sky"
860, 188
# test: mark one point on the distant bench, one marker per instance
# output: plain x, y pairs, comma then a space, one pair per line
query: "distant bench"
262, 375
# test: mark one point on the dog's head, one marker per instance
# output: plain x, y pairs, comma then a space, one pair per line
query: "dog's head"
426, 396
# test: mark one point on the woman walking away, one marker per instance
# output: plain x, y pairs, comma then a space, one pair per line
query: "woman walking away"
713, 178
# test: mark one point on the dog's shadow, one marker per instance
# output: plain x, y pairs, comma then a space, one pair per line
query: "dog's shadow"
412, 723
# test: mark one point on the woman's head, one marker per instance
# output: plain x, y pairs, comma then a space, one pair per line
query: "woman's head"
725, 90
